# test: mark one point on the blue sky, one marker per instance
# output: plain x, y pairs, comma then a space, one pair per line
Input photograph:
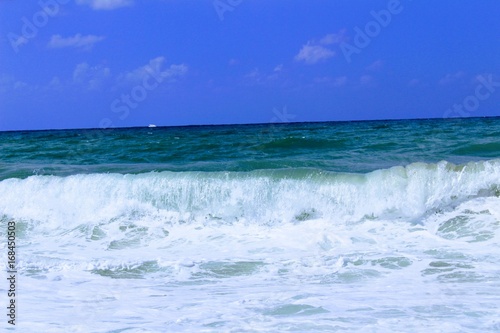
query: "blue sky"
120, 63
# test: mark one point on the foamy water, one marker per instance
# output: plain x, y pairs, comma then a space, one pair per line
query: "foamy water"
407, 249
329, 227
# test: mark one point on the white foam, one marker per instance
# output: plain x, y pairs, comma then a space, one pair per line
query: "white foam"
252, 197
403, 249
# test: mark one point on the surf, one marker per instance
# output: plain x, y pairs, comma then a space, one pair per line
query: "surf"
261, 196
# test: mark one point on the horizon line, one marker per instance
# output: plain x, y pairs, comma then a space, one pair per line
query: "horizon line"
241, 124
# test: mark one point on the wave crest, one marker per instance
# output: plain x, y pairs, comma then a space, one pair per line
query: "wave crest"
263, 196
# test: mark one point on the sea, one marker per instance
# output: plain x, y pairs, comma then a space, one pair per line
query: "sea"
370, 226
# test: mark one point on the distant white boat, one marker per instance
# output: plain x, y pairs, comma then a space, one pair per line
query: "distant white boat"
151, 125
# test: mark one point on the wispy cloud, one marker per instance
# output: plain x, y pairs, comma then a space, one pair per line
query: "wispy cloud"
452, 78
259, 77
340, 81
106, 4
154, 68
375, 66
78, 41
278, 68
315, 51
55, 84
414, 82
335, 38
92, 77
9, 83
254, 76
312, 54
333, 81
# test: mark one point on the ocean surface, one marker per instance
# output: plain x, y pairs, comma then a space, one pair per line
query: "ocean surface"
383, 226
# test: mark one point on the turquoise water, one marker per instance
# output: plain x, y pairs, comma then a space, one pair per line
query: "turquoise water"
358, 147
305, 227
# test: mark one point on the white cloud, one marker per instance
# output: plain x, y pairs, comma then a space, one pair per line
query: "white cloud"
91, 77
55, 83
333, 81
20, 85
315, 51
340, 81
77, 41
335, 38
323, 79
257, 77
8, 83
106, 4
155, 69
254, 75
312, 54
414, 82
375, 66
451, 78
